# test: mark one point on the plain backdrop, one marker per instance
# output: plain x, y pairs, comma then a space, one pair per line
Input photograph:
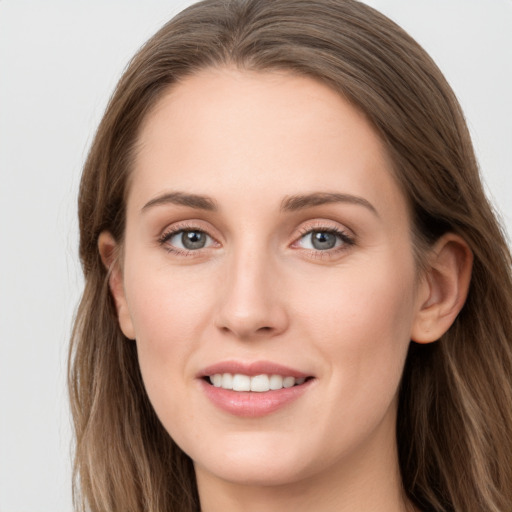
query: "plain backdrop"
59, 62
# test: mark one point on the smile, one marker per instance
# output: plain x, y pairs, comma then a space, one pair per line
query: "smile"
257, 383
253, 389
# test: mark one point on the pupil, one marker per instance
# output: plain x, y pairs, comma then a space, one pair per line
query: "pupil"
323, 240
193, 239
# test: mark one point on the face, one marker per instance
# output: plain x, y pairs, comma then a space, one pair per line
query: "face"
268, 250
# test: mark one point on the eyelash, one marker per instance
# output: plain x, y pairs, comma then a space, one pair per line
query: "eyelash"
182, 228
346, 239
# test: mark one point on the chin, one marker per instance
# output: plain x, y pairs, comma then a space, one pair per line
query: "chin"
254, 474
255, 462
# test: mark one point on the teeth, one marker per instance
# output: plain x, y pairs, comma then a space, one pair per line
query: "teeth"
276, 382
241, 382
258, 383
288, 382
227, 381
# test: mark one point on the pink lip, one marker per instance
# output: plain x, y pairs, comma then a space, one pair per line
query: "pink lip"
252, 404
251, 369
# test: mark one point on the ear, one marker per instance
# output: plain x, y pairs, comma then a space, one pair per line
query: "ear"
109, 251
444, 288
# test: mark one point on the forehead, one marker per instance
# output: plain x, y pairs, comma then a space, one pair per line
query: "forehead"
232, 133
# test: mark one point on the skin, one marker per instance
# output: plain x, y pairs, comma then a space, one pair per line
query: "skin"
259, 290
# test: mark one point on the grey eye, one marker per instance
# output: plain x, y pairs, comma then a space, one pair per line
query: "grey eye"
193, 239
190, 240
320, 240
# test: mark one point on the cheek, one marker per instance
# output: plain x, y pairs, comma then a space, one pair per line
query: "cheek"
360, 323
166, 304
168, 310
361, 320
172, 309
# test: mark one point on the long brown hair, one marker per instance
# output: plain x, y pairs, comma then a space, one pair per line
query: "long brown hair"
454, 428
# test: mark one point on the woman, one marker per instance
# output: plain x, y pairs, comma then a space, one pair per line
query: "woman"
297, 295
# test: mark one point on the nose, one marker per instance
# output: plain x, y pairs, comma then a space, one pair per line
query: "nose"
251, 299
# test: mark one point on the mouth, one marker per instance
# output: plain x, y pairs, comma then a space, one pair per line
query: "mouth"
253, 389
258, 383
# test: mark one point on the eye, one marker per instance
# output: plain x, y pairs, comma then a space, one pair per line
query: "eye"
324, 240
186, 240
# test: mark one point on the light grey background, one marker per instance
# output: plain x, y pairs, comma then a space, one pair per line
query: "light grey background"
59, 62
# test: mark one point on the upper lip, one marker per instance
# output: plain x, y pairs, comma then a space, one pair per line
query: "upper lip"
251, 369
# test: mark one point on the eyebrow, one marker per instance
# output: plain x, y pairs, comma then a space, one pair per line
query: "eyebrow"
303, 201
181, 198
289, 204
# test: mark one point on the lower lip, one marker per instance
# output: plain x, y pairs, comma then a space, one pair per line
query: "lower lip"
251, 404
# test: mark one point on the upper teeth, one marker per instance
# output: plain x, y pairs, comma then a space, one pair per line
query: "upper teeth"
258, 383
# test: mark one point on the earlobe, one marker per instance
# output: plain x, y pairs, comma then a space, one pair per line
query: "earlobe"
444, 288
109, 252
